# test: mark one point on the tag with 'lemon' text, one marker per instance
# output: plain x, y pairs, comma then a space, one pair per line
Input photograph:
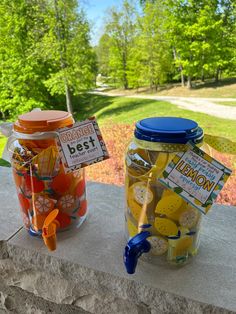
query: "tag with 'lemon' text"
196, 177
81, 145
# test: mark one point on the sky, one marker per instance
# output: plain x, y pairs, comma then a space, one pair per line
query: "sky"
96, 11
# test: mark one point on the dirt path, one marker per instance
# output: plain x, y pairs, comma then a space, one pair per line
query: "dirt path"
205, 105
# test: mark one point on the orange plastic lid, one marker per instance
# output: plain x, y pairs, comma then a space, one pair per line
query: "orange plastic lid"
42, 121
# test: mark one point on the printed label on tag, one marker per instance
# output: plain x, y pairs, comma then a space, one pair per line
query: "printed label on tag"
196, 177
81, 145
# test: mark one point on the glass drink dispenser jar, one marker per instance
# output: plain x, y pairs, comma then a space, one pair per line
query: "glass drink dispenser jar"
49, 199
158, 221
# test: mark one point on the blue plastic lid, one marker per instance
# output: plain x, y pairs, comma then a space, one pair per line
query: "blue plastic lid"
168, 130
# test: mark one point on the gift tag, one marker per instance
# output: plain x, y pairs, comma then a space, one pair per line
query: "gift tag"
81, 145
196, 177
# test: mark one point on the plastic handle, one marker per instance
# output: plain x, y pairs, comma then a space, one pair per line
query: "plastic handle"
134, 249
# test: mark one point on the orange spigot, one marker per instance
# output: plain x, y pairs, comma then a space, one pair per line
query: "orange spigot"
49, 230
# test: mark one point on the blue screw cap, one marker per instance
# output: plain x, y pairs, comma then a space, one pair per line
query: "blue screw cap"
168, 130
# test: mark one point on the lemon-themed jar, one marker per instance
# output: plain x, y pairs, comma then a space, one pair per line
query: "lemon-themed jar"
158, 221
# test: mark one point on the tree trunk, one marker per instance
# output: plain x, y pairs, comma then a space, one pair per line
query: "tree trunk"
217, 75
63, 57
3, 115
68, 99
182, 77
189, 83
157, 83
202, 76
125, 81
180, 68
124, 66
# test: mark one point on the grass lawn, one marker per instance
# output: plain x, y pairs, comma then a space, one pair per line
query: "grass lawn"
128, 110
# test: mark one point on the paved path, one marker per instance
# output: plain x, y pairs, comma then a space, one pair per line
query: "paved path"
205, 105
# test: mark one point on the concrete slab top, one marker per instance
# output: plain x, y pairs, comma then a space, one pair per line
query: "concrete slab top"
98, 245
10, 218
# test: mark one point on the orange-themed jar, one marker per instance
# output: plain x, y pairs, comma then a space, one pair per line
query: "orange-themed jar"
49, 198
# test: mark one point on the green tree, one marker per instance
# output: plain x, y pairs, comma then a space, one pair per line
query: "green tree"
151, 52
68, 50
44, 54
21, 70
121, 31
200, 37
103, 54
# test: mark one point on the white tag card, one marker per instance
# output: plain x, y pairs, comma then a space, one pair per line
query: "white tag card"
81, 145
196, 177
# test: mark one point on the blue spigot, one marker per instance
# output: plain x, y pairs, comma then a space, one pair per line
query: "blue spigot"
134, 249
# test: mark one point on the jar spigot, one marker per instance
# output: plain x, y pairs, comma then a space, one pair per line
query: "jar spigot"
134, 249
49, 230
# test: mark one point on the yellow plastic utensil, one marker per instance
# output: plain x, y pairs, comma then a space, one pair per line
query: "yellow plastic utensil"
132, 229
136, 210
180, 247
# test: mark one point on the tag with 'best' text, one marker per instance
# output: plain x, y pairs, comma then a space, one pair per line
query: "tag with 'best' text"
81, 145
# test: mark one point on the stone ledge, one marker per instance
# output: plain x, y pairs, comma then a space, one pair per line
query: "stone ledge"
10, 220
18, 301
87, 272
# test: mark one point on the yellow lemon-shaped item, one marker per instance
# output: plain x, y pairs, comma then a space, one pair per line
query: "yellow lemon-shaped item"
132, 229
141, 193
169, 204
159, 245
189, 218
165, 226
137, 211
